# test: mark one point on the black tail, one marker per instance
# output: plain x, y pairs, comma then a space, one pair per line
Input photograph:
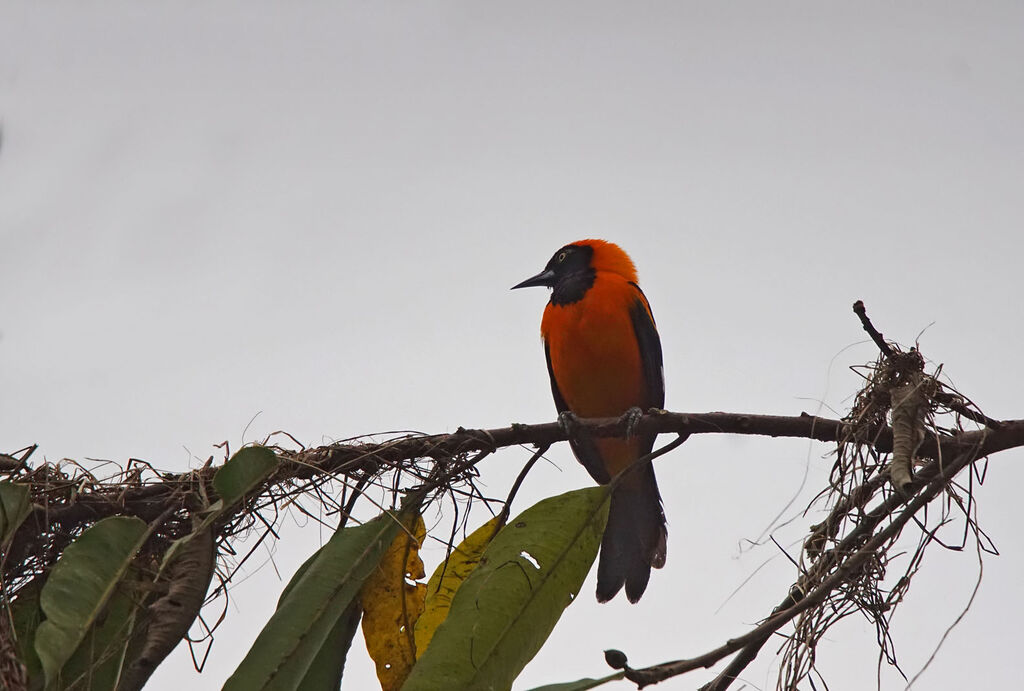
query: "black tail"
634, 539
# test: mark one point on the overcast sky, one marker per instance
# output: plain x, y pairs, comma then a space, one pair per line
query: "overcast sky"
217, 221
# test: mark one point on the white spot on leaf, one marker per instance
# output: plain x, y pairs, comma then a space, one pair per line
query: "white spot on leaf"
529, 557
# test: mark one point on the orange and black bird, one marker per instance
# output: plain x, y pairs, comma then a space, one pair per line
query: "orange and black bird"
604, 360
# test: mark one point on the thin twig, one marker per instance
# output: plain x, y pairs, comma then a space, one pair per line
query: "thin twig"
936, 482
538, 454
876, 336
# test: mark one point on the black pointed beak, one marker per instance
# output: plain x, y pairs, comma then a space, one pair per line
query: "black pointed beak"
544, 278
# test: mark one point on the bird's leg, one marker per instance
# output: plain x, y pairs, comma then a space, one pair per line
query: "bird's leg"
630, 419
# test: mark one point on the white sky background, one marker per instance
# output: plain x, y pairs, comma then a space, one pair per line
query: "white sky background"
314, 214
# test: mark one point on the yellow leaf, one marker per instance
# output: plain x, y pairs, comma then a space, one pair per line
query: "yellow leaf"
447, 578
392, 602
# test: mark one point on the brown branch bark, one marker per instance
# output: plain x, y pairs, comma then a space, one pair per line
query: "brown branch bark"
349, 457
876, 335
150, 500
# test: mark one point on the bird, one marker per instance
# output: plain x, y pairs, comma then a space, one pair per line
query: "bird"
604, 359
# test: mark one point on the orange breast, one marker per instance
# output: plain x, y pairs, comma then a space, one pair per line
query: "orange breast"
595, 359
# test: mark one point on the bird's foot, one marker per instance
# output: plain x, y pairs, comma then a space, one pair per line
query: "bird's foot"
630, 420
569, 423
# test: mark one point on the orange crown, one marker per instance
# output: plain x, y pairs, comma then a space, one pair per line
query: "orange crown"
610, 257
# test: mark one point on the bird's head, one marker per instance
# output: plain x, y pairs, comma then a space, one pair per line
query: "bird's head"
574, 268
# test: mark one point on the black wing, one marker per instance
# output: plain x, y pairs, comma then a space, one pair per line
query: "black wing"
650, 350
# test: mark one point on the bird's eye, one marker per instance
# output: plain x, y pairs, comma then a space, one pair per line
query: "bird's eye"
562, 256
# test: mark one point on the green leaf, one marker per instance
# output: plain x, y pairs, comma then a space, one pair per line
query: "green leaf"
326, 670
96, 664
316, 599
505, 610
25, 617
15, 507
240, 475
580, 684
299, 573
327, 667
80, 585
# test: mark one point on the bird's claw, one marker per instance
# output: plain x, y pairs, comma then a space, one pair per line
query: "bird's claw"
631, 420
569, 423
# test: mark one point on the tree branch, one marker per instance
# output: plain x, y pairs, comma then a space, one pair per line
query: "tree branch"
876, 335
150, 500
932, 478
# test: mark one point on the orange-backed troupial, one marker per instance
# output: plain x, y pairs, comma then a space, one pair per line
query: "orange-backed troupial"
604, 359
